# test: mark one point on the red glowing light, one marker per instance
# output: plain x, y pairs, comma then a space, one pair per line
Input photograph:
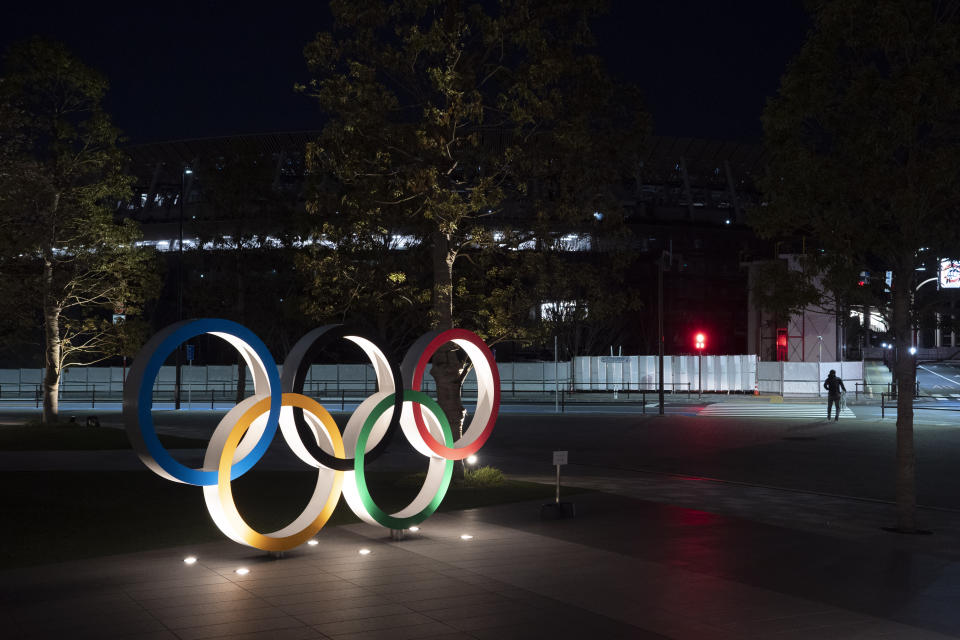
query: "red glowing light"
700, 340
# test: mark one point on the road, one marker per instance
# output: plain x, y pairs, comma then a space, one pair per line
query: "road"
787, 445
939, 379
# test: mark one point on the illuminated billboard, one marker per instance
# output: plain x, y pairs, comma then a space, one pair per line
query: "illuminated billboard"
949, 274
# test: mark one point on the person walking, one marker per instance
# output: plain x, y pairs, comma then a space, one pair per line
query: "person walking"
834, 385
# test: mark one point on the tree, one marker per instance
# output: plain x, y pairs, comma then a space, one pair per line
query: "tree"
863, 150
459, 131
65, 259
245, 233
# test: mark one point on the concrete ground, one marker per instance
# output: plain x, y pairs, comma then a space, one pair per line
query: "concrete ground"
667, 548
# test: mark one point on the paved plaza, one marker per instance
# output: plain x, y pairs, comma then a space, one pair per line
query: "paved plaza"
648, 555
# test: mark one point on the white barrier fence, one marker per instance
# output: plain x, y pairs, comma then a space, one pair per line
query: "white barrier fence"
740, 373
680, 373
806, 378
524, 377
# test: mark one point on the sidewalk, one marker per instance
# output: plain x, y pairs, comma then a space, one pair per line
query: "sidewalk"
648, 556
623, 568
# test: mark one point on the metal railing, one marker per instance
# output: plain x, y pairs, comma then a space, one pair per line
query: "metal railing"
341, 392
921, 407
890, 388
571, 398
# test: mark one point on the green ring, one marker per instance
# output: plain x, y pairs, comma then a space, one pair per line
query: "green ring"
373, 510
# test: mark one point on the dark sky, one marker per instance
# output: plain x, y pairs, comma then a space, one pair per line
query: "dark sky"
195, 70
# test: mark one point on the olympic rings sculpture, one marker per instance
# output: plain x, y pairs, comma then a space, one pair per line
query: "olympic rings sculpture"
243, 435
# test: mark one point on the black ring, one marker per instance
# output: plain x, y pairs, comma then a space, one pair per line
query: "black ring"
295, 373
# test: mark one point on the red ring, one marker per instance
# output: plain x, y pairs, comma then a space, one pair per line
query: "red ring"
453, 453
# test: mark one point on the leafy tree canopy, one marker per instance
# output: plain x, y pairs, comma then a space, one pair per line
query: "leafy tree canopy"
863, 143
457, 131
63, 257
461, 128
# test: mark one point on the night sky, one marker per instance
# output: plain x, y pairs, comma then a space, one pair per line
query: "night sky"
211, 69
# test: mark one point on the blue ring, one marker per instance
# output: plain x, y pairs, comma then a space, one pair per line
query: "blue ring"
179, 335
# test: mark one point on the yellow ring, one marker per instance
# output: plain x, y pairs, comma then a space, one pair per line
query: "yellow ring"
242, 532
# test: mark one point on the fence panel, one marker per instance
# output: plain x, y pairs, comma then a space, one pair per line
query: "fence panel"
599, 373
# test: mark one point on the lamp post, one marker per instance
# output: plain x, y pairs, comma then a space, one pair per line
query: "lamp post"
179, 357
820, 360
668, 256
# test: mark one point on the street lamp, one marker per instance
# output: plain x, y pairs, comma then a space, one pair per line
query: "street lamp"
668, 256
187, 171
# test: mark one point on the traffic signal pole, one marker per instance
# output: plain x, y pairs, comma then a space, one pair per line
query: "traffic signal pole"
700, 341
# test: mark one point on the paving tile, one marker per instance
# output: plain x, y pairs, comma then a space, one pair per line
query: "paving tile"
219, 617
761, 622
352, 613
303, 608
433, 630
238, 627
201, 608
145, 595
447, 602
194, 580
290, 633
175, 601
672, 573
280, 588
100, 628
430, 584
871, 630
56, 621
429, 594
320, 595
371, 624
499, 619
163, 634
468, 608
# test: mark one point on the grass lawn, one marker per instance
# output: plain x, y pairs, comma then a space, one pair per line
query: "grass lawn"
33, 437
52, 516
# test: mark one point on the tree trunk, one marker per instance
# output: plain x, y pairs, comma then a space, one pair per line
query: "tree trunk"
51, 349
445, 365
906, 488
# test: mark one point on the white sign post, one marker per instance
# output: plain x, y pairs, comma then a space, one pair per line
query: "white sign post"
559, 458
557, 509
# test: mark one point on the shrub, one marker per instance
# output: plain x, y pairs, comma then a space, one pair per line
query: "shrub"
483, 477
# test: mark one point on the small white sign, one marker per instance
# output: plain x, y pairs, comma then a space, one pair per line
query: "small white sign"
949, 274
559, 457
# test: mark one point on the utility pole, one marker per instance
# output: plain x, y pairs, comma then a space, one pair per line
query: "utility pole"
666, 255
556, 377
179, 357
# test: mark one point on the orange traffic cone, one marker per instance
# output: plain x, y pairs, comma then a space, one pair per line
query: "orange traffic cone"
756, 389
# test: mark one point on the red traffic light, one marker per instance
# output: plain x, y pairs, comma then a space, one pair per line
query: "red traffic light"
700, 340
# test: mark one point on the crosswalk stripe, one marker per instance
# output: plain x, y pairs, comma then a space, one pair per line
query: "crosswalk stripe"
735, 410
